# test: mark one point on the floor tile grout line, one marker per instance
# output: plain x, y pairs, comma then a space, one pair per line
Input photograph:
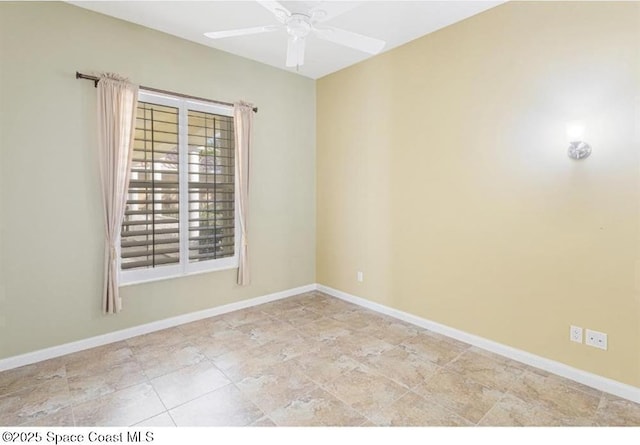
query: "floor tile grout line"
389, 405
353, 408
504, 394
379, 373
537, 403
69, 404
267, 413
166, 410
577, 388
249, 400
472, 379
263, 416
98, 396
198, 397
150, 417
268, 368
439, 405
73, 416
323, 386
175, 424
69, 392
365, 416
30, 387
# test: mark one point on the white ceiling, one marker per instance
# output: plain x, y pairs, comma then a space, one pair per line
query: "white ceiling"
396, 22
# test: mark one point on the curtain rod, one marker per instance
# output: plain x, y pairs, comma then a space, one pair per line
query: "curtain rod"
95, 79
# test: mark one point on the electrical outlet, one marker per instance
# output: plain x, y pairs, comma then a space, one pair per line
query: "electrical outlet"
360, 276
596, 339
575, 334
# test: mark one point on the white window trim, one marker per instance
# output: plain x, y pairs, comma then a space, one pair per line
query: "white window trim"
184, 268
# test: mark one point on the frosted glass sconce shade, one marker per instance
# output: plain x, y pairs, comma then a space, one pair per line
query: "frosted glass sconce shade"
578, 149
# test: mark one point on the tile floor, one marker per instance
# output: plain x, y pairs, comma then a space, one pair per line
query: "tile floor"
305, 360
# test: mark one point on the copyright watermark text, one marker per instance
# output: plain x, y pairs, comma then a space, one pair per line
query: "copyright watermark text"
92, 437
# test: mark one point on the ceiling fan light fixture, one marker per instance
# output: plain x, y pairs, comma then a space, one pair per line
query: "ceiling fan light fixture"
298, 26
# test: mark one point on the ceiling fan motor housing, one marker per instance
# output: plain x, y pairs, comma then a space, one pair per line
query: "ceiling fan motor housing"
299, 25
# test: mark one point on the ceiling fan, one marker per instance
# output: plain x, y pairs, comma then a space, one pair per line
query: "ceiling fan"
299, 25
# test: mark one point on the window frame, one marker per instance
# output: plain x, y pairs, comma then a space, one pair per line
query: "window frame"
184, 267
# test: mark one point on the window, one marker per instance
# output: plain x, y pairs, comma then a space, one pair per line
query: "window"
180, 215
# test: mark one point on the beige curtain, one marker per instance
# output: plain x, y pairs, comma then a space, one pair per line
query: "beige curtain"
117, 104
243, 122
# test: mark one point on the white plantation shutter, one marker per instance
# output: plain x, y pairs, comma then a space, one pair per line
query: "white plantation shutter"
211, 186
180, 215
150, 230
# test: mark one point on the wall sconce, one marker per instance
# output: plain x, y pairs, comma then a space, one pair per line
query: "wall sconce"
578, 149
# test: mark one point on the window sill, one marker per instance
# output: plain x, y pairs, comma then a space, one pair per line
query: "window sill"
178, 275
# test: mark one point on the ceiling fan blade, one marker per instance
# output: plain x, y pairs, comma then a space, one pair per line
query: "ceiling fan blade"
327, 10
240, 32
276, 9
295, 51
351, 39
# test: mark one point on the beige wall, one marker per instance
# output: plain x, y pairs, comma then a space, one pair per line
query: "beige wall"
51, 218
442, 174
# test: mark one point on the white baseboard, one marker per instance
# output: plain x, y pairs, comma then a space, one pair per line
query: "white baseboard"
111, 337
586, 378
593, 380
